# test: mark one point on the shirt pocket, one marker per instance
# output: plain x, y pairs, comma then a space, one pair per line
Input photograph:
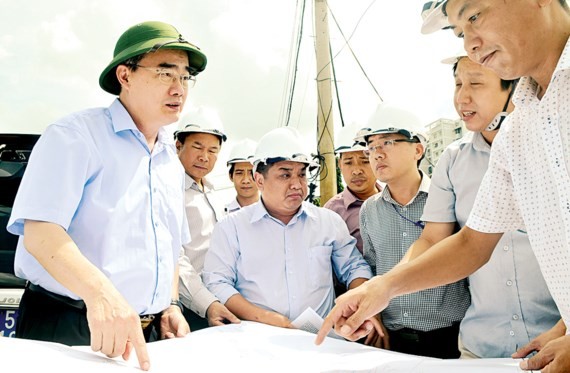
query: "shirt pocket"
321, 266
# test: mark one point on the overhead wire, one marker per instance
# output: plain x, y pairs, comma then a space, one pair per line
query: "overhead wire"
292, 77
347, 44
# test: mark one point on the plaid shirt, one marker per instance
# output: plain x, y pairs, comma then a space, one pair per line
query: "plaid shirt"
388, 230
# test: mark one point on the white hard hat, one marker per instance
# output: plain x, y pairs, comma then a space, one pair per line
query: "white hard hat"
452, 60
201, 121
242, 151
392, 119
282, 144
345, 139
434, 17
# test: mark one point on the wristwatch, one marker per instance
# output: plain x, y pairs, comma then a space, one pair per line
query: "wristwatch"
177, 302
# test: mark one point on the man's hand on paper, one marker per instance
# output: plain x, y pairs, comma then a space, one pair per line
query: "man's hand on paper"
554, 357
378, 337
539, 342
218, 314
115, 327
173, 324
350, 316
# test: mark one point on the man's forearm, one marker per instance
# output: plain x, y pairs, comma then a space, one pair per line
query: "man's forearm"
452, 259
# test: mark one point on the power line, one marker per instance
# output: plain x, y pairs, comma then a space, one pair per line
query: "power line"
352, 51
336, 87
292, 83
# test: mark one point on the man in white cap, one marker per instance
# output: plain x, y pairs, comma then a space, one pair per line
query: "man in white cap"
241, 175
270, 261
99, 210
427, 322
527, 185
358, 177
198, 144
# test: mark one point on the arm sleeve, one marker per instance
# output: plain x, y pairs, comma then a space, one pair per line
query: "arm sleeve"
193, 293
496, 208
368, 248
220, 265
348, 262
440, 204
60, 166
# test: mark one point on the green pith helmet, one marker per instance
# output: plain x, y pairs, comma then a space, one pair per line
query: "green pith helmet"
149, 37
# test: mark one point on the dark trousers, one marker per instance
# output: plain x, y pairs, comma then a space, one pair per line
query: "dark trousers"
438, 343
46, 316
195, 321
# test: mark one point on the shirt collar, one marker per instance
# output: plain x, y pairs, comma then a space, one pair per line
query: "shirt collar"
476, 140
191, 183
424, 188
260, 212
348, 198
122, 121
527, 88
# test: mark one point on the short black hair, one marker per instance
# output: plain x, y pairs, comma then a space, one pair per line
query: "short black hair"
263, 168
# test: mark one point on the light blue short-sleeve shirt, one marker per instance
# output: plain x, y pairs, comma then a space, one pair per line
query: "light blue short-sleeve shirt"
92, 173
510, 302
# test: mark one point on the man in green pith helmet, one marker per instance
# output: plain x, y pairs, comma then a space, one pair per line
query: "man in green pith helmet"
100, 210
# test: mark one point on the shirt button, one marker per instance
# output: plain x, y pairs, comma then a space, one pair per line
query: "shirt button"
404, 234
404, 209
405, 314
515, 317
506, 248
509, 283
512, 333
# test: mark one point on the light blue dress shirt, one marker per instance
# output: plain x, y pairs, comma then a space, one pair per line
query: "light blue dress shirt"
283, 268
510, 302
92, 173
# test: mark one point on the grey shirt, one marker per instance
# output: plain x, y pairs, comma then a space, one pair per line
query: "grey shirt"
509, 295
388, 229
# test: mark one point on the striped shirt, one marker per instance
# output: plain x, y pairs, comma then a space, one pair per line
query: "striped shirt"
388, 229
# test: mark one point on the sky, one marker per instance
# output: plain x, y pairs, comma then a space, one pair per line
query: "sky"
52, 52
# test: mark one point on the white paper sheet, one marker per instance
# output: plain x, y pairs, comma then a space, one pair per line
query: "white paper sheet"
246, 347
311, 322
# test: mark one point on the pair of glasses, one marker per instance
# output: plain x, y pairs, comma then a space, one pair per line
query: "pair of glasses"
169, 76
385, 146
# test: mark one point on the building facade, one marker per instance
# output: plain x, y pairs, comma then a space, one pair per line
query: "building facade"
441, 132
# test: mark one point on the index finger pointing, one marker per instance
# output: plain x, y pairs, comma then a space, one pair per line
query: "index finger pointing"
324, 330
139, 345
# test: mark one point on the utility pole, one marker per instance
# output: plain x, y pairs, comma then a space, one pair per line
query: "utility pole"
325, 125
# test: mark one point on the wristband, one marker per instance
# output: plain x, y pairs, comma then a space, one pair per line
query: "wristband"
178, 303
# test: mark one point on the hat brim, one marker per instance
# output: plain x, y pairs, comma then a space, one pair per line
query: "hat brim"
454, 59
108, 81
436, 20
348, 149
219, 135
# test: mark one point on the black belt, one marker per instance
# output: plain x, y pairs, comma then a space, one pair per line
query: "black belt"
418, 335
146, 320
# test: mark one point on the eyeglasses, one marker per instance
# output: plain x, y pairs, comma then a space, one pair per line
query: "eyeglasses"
385, 146
169, 76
